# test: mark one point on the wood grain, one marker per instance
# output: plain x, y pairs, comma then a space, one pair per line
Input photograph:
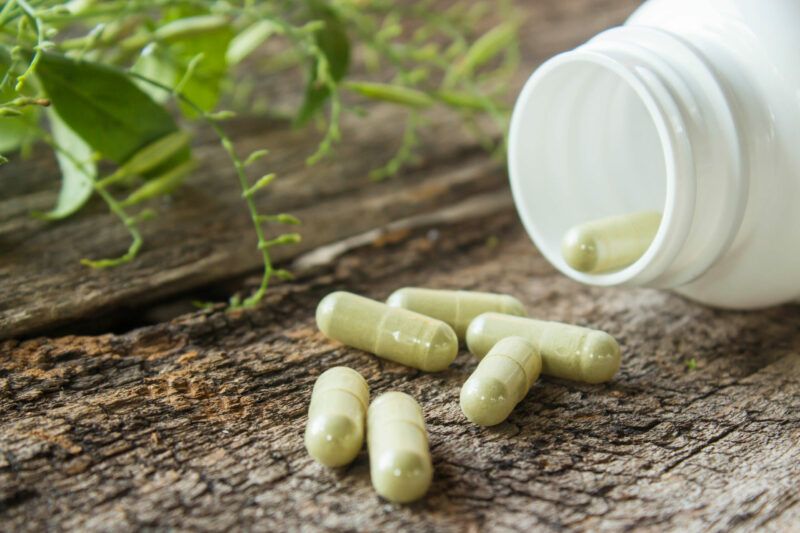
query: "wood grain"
197, 424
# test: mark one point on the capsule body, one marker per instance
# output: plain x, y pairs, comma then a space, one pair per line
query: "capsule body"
456, 308
610, 243
335, 428
569, 352
501, 380
399, 459
392, 333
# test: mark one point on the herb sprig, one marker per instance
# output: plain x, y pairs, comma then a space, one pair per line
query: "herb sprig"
106, 82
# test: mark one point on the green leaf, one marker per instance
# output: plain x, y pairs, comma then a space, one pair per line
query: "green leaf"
15, 130
255, 156
280, 240
222, 115
282, 218
78, 170
155, 158
249, 39
284, 274
262, 182
103, 106
285, 218
168, 64
392, 93
161, 185
204, 86
332, 40
153, 63
483, 50
5, 59
462, 100
188, 27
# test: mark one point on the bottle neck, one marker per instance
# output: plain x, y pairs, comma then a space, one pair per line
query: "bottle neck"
634, 120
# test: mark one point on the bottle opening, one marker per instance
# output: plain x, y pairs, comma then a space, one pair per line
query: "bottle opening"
589, 140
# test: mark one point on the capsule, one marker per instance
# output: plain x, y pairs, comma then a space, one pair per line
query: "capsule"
610, 243
335, 429
568, 352
456, 308
399, 458
501, 381
392, 333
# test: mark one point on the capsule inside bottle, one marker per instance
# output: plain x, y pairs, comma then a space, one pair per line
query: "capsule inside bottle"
610, 243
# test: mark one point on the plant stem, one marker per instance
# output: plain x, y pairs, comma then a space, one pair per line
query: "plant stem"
40, 38
115, 207
130, 225
4, 13
227, 144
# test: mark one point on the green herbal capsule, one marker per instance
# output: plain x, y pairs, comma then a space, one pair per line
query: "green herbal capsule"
610, 243
569, 352
399, 459
456, 308
335, 429
392, 333
501, 381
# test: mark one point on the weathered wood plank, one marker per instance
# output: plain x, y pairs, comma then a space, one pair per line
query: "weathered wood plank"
198, 423
204, 235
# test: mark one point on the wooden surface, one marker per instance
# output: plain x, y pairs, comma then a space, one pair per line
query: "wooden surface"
196, 423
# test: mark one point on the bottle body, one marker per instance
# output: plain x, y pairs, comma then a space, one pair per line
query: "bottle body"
690, 109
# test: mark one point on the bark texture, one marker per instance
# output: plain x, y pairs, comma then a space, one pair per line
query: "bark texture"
197, 423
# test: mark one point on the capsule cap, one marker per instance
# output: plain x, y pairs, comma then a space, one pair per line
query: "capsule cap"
480, 337
400, 462
601, 357
333, 440
401, 476
325, 311
401, 298
344, 378
579, 249
486, 402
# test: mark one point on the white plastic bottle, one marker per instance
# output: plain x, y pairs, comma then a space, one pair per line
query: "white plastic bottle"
692, 108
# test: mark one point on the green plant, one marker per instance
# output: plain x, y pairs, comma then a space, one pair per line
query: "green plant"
105, 84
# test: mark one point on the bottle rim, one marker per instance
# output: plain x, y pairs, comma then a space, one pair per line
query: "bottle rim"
679, 175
